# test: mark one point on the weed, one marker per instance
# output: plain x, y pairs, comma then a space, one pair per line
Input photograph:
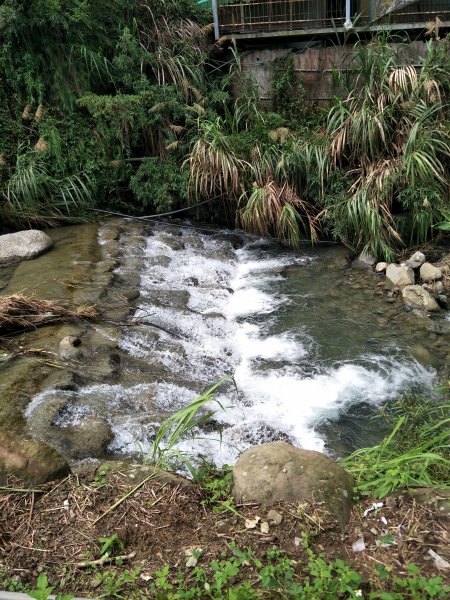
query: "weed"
416, 452
101, 475
216, 483
111, 544
178, 426
117, 585
240, 575
43, 590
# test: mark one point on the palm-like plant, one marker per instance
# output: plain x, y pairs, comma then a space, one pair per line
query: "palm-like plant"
272, 208
389, 132
32, 196
215, 167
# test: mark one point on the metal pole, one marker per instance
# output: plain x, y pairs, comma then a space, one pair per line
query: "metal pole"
215, 13
348, 21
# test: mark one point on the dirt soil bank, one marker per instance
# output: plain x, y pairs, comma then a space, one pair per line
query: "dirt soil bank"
60, 526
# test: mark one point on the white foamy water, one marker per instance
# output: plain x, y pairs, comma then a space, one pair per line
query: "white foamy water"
233, 302
209, 310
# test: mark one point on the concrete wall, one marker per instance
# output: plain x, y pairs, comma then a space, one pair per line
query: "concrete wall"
312, 67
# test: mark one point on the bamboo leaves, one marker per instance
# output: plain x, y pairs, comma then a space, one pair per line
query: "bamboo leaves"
390, 130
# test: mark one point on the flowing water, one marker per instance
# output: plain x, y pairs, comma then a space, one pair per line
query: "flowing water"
312, 346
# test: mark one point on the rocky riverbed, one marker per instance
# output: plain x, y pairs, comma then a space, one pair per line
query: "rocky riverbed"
314, 345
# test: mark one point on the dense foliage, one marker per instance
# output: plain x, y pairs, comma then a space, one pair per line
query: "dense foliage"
90, 94
127, 106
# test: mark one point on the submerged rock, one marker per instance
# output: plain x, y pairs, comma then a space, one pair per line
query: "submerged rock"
69, 346
399, 276
417, 297
30, 460
363, 261
23, 245
89, 438
279, 471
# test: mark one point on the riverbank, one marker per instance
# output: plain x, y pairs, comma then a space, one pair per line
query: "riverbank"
173, 540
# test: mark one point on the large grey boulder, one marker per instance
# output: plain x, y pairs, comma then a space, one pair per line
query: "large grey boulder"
30, 460
279, 471
417, 297
429, 272
399, 276
416, 260
23, 245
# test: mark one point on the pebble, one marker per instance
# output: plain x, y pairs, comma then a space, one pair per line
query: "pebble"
275, 517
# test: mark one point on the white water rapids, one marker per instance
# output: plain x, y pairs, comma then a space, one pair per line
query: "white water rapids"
253, 313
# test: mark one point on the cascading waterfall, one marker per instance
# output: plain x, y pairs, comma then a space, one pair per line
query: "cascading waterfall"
303, 348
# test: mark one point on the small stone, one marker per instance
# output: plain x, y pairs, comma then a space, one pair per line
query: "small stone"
399, 276
264, 527
95, 583
417, 297
252, 523
274, 517
192, 555
363, 261
359, 545
416, 260
191, 562
381, 267
437, 287
429, 272
439, 562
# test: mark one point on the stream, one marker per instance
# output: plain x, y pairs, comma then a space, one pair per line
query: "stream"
314, 346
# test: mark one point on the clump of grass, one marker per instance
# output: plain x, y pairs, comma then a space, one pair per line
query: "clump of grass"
415, 453
179, 426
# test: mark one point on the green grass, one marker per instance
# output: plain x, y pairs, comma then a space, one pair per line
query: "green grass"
181, 425
415, 453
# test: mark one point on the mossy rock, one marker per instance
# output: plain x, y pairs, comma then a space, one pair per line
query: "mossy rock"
278, 471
